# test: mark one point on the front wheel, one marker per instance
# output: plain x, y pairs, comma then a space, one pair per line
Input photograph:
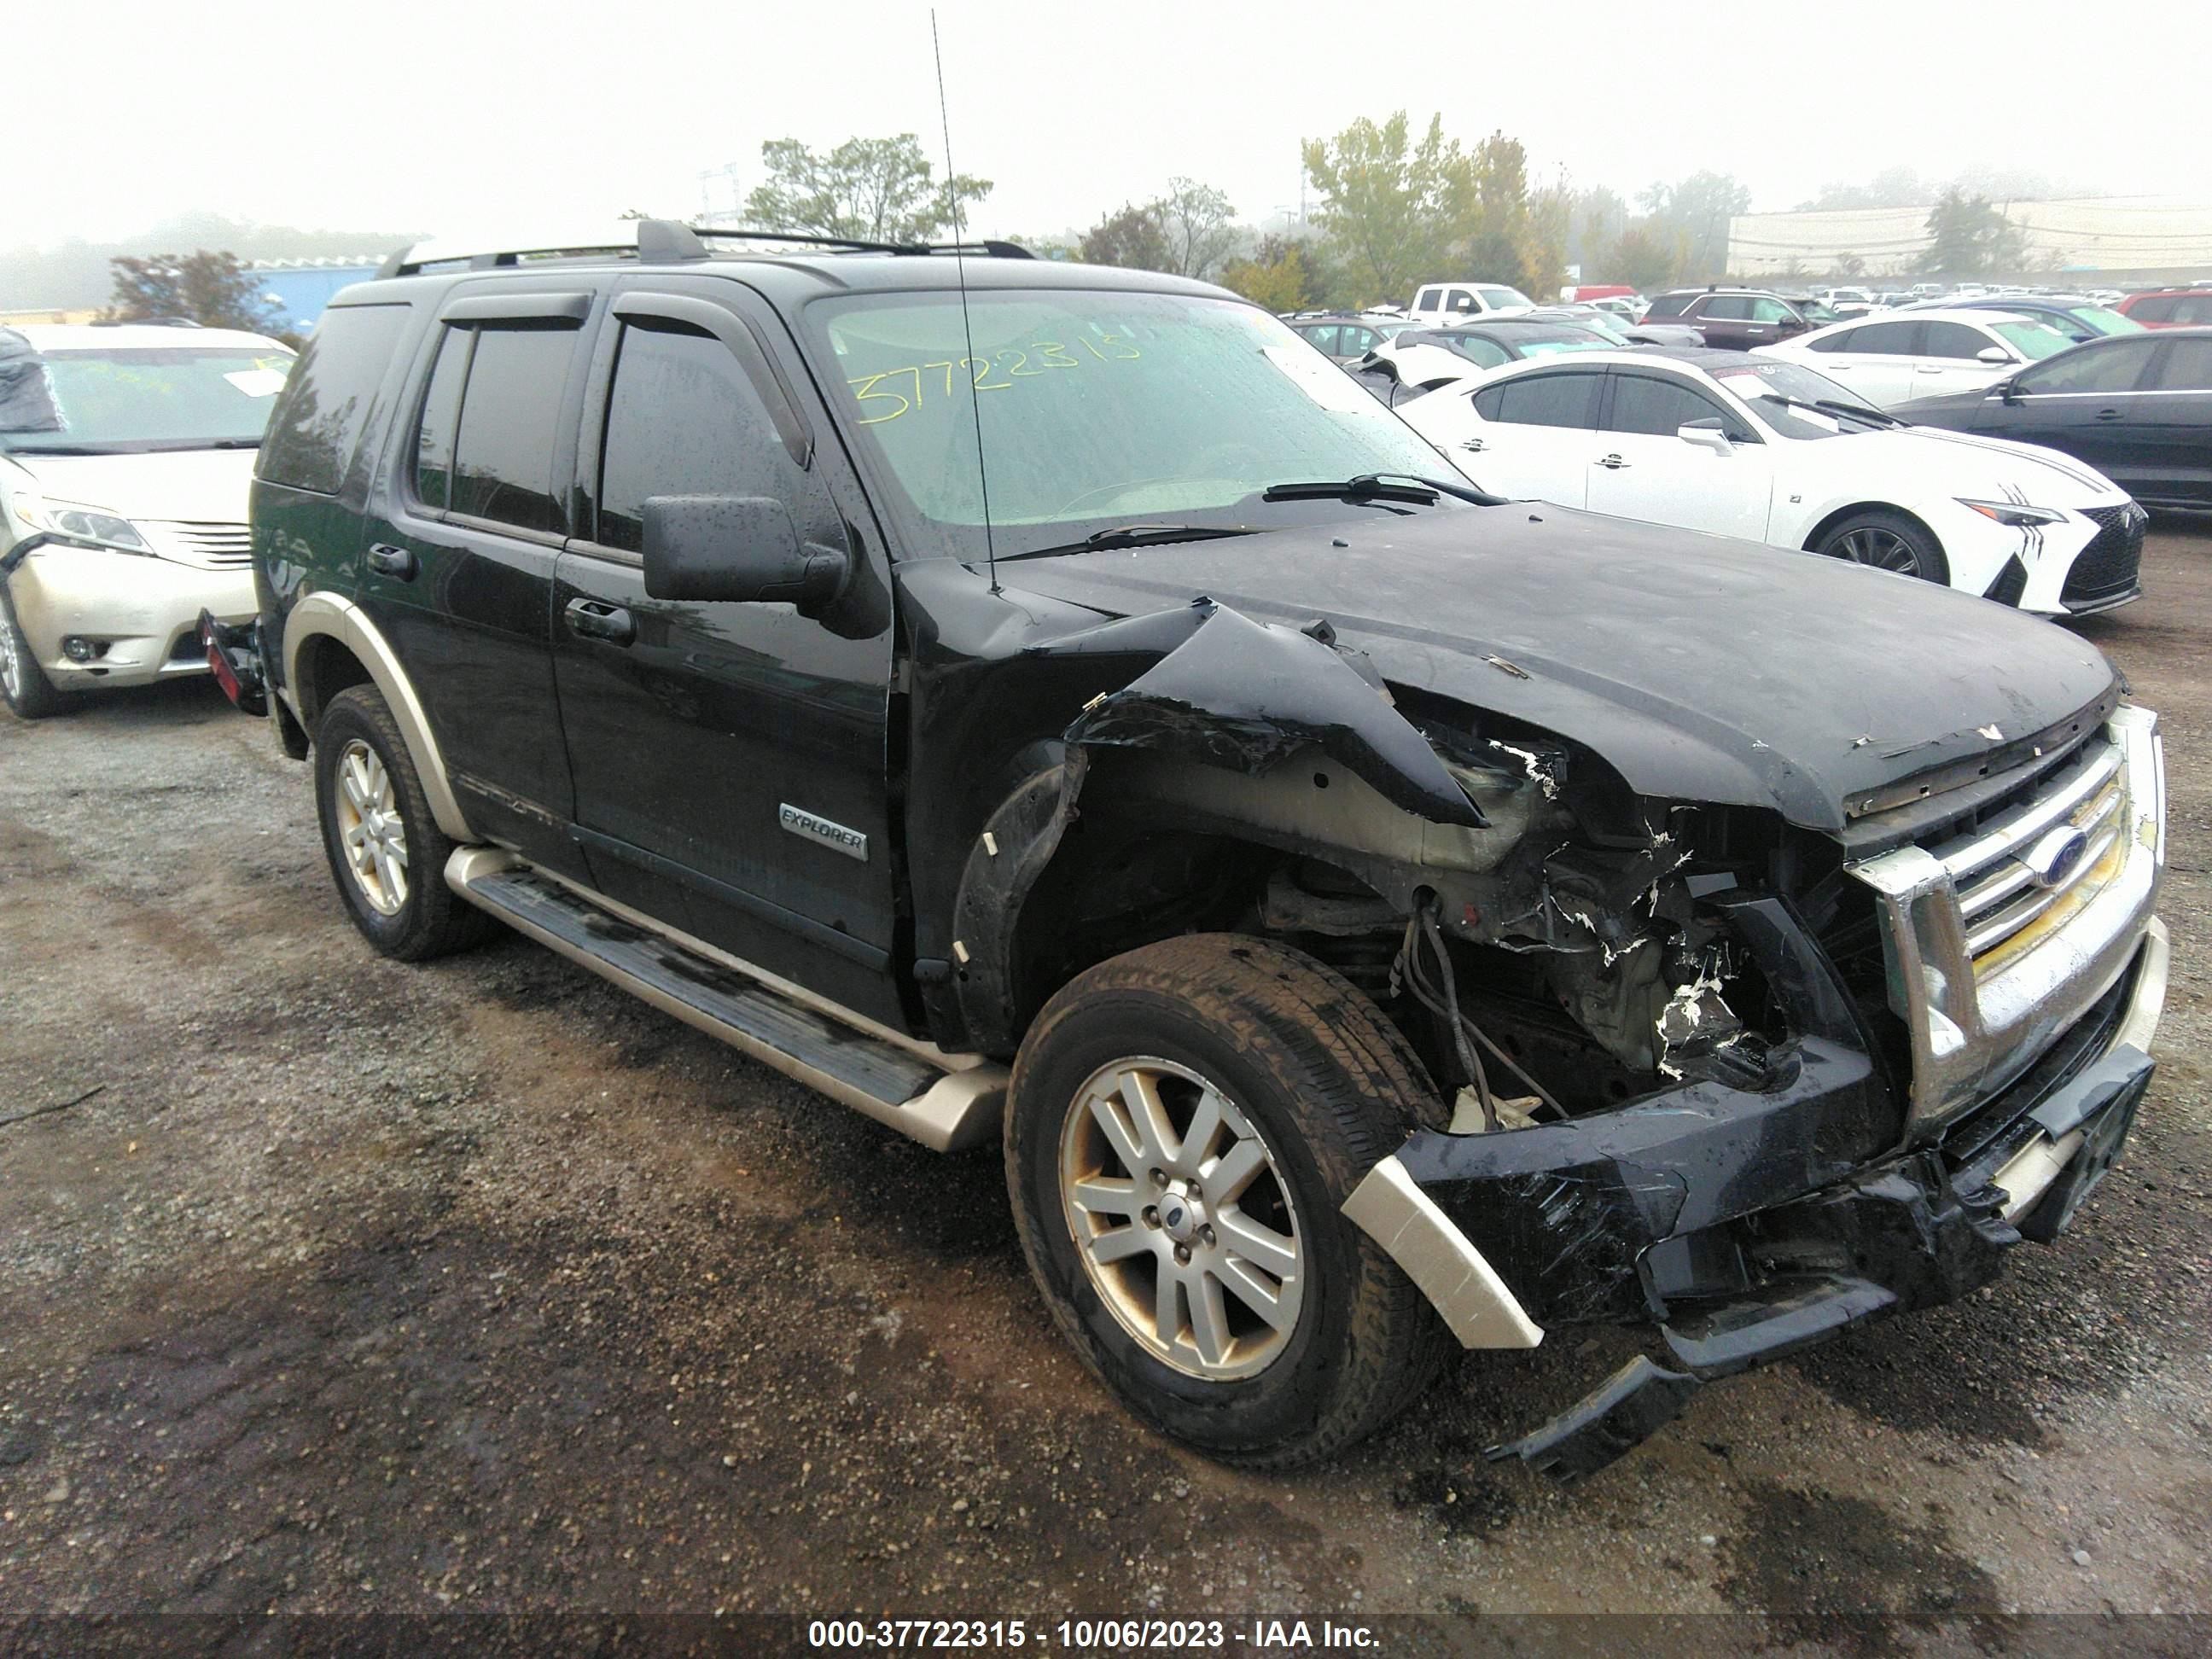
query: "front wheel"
1888, 541
1184, 1127
22, 682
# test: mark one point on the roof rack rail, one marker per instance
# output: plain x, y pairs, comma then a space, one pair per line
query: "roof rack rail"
650, 242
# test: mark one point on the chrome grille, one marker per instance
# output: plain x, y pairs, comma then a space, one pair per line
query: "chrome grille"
2001, 935
2001, 886
217, 546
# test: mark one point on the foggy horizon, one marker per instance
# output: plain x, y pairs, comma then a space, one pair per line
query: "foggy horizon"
562, 111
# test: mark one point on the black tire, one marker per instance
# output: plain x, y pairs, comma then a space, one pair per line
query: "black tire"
1312, 1065
26, 689
1888, 541
428, 919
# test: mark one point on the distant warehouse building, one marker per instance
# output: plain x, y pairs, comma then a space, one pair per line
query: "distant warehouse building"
296, 290
2119, 240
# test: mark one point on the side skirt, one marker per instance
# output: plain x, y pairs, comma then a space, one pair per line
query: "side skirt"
947, 1108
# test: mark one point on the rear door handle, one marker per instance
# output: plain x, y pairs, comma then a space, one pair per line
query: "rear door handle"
389, 561
1614, 462
2108, 414
595, 619
1474, 444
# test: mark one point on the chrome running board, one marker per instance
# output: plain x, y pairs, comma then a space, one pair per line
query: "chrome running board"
944, 1109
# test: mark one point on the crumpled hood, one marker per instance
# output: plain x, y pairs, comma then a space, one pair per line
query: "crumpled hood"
1701, 667
193, 486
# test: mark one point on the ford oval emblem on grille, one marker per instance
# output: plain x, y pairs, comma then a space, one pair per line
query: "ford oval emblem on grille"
2055, 857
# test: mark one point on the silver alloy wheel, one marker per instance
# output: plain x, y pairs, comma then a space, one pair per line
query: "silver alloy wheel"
1885, 549
11, 667
1183, 1221
369, 823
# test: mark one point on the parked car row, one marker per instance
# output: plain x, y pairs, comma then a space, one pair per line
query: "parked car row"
1746, 445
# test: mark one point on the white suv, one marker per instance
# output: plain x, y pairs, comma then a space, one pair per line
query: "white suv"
1437, 305
125, 455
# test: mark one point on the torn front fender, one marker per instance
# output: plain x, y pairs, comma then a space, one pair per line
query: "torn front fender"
1247, 696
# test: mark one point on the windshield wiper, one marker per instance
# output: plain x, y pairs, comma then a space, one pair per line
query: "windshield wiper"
1377, 487
1830, 406
1135, 535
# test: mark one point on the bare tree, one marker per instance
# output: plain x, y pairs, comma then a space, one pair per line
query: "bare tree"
1199, 226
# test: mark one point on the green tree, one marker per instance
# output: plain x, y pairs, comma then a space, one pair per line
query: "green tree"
1969, 237
1697, 209
1644, 257
872, 190
1200, 227
1134, 238
212, 289
1281, 275
1393, 210
1550, 226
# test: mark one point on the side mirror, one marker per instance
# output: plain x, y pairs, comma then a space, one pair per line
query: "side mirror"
735, 548
1705, 434
1994, 355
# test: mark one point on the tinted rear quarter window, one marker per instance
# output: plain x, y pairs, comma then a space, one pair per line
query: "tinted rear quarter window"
510, 413
317, 424
1668, 305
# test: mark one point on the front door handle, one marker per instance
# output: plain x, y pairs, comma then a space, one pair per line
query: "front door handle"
1613, 462
1474, 444
2108, 414
389, 561
595, 619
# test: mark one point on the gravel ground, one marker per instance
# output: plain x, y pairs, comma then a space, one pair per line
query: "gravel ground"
344, 1286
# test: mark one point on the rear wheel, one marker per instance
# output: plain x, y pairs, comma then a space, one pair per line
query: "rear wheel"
1184, 1125
386, 852
22, 682
1888, 541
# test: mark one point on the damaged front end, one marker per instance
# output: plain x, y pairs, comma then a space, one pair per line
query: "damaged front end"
1675, 1072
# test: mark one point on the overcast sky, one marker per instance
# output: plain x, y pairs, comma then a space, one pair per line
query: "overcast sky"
442, 116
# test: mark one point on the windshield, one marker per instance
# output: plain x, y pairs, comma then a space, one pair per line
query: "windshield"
2104, 319
2034, 341
1496, 299
1097, 407
1764, 385
128, 400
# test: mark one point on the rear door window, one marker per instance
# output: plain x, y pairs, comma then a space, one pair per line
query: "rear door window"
318, 423
502, 466
1726, 309
441, 413
1887, 340
1567, 398
2159, 308
1430, 299
1321, 337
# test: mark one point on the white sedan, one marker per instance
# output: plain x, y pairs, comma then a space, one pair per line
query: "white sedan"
1747, 445
1893, 359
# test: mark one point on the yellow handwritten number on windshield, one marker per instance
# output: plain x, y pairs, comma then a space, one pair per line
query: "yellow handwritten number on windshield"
902, 386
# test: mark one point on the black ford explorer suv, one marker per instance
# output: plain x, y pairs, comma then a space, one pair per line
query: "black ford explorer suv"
1031, 702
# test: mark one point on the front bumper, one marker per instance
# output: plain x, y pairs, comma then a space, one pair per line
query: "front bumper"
139, 615
1747, 1223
